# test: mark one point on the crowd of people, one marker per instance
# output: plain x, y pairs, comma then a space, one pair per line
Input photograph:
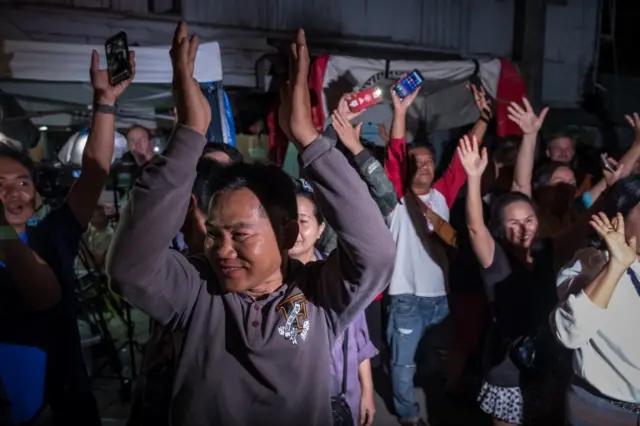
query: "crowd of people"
273, 298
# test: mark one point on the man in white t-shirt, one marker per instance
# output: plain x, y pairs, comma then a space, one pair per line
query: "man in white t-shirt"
418, 289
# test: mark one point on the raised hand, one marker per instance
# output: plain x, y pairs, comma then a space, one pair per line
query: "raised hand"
105, 93
634, 122
343, 107
612, 177
349, 135
622, 250
402, 105
192, 107
303, 131
526, 118
481, 101
473, 160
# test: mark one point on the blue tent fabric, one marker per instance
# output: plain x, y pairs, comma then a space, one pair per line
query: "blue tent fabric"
22, 371
222, 127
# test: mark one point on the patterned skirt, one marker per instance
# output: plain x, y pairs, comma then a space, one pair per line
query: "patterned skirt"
536, 402
504, 404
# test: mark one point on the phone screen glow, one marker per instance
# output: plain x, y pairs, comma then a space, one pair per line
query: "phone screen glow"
408, 84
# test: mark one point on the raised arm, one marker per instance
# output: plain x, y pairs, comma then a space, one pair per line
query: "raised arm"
453, 179
362, 265
371, 171
621, 168
395, 164
98, 152
474, 163
586, 290
140, 264
530, 125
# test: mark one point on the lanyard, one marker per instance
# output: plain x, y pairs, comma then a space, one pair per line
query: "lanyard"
634, 279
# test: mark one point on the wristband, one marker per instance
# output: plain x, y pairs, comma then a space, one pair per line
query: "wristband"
7, 233
586, 199
105, 109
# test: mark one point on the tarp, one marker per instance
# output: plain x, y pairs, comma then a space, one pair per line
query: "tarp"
51, 80
444, 103
34, 60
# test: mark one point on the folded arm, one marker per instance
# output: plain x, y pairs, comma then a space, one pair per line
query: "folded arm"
140, 264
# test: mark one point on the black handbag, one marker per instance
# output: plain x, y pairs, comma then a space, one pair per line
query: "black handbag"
342, 415
540, 352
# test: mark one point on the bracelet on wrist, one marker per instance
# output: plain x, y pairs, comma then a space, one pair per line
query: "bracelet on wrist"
105, 109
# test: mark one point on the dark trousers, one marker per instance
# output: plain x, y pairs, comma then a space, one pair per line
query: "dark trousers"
376, 319
585, 408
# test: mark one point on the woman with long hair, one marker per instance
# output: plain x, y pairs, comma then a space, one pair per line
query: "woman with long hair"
517, 270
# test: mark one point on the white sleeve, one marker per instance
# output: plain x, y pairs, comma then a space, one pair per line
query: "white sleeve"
576, 318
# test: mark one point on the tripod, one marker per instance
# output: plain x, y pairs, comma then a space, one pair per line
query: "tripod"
95, 299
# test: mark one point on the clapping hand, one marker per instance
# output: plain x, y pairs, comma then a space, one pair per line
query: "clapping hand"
104, 92
193, 109
303, 131
473, 160
622, 250
526, 118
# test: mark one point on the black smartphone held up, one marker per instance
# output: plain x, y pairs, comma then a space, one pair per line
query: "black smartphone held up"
118, 65
408, 84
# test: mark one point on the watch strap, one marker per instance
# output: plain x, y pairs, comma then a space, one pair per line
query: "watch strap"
106, 109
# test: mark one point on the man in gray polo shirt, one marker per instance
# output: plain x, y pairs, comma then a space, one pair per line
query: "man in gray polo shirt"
259, 327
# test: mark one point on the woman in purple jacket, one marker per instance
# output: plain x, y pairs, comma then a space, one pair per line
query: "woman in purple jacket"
359, 385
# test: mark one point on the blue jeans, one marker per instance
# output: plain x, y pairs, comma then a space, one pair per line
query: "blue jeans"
409, 318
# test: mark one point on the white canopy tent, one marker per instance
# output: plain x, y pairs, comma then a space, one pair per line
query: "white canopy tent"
51, 81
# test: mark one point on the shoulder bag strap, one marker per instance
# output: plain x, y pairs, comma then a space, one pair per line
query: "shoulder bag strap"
345, 357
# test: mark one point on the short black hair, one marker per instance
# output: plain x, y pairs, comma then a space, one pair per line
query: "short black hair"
207, 171
505, 150
273, 187
558, 135
545, 172
427, 145
232, 152
137, 126
303, 189
22, 158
